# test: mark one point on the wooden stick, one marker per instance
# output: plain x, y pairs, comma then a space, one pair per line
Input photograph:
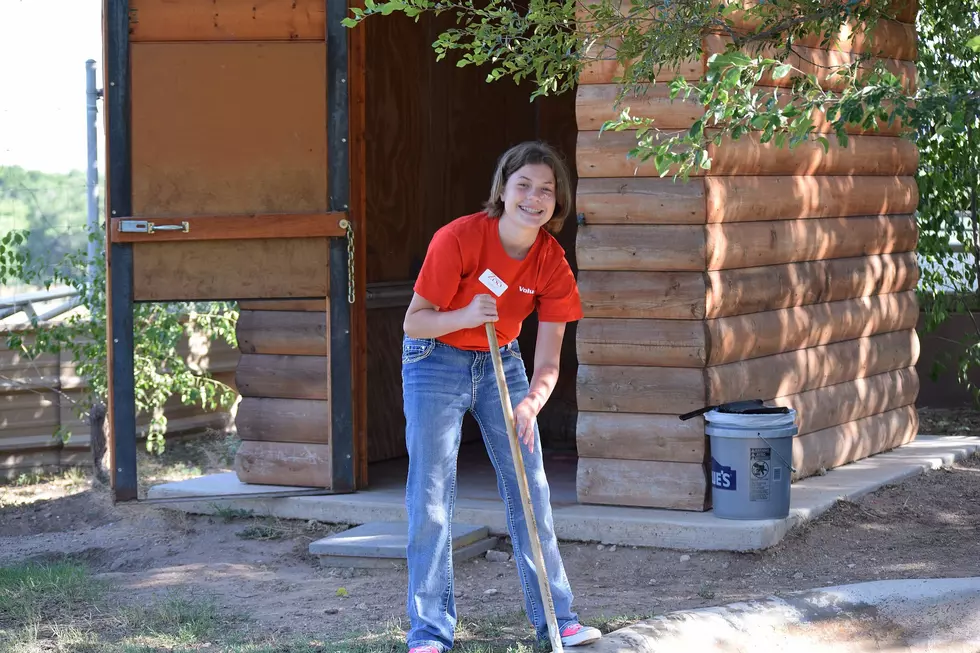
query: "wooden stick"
532, 527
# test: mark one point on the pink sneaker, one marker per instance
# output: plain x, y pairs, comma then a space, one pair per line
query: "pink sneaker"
577, 635
424, 649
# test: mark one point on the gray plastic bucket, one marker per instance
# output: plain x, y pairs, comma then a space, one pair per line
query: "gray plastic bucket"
751, 463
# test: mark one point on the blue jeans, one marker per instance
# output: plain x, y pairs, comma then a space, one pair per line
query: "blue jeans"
440, 384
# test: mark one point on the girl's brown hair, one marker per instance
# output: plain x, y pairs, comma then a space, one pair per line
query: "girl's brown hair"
532, 153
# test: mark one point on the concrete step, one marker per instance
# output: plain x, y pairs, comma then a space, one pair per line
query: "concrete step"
377, 545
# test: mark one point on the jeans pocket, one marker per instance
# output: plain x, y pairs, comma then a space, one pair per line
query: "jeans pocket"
416, 349
514, 350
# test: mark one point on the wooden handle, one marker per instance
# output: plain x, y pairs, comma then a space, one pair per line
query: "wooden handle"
532, 525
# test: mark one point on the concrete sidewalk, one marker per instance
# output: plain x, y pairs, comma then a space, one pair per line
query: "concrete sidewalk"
937, 615
479, 503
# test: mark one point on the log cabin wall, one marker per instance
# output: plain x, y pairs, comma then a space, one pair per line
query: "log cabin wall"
779, 275
435, 132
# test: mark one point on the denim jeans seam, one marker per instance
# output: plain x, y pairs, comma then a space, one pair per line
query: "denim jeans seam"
449, 543
518, 551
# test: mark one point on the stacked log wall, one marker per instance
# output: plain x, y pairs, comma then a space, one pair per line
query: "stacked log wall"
782, 275
283, 419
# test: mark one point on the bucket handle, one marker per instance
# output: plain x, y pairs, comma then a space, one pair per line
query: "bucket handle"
776, 451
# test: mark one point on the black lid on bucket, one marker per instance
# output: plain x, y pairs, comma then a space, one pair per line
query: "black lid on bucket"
748, 407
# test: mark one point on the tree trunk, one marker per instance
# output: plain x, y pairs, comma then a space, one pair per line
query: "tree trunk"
98, 427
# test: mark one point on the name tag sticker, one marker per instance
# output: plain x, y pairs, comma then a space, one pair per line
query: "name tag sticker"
493, 282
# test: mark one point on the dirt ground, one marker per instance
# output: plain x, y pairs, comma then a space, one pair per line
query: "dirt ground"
928, 526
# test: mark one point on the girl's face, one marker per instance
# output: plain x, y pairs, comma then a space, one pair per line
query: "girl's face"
529, 196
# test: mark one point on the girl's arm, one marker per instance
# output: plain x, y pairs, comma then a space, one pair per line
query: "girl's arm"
547, 356
423, 319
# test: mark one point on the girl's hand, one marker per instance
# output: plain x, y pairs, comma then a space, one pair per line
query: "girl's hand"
481, 310
524, 416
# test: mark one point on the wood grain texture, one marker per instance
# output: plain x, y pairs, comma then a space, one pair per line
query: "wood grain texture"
754, 335
231, 269
227, 20
606, 155
678, 248
753, 244
306, 305
236, 227
283, 332
663, 343
642, 483
595, 104
267, 419
863, 155
668, 295
230, 130
284, 463
753, 290
807, 369
891, 37
603, 68
888, 39
386, 418
644, 200
630, 389
641, 247
357, 151
627, 436
754, 198
822, 63
852, 400
701, 343
283, 377
855, 440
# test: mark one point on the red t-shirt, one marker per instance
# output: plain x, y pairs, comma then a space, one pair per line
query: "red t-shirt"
466, 248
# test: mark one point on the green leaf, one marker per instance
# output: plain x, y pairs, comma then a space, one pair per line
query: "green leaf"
826, 144
974, 43
781, 71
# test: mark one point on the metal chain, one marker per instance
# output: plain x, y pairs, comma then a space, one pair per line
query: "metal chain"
350, 259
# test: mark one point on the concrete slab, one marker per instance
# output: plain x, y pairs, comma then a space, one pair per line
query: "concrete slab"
382, 544
478, 502
913, 616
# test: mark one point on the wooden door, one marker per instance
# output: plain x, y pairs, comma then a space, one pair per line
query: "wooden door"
229, 154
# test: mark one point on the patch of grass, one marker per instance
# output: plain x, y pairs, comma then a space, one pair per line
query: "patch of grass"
39, 593
608, 624
705, 591
176, 620
231, 514
262, 532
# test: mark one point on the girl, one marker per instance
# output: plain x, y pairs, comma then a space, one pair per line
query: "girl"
447, 370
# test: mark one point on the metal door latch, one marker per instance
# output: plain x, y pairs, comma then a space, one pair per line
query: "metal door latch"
147, 227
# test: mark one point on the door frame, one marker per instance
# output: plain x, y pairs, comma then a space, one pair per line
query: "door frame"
346, 194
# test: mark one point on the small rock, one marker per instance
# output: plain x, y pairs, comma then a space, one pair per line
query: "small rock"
798, 575
685, 558
600, 547
361, 606
653, 581
332, 611
497, 556
612, 548
490, 592
725, 565
851, 566
457, 593
118, 564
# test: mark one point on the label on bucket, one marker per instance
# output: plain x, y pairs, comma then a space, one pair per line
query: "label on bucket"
722, 478
760, 465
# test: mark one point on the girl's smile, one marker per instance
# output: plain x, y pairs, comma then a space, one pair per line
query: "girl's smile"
529, 196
